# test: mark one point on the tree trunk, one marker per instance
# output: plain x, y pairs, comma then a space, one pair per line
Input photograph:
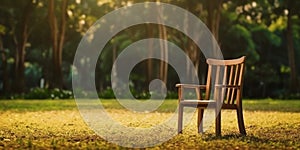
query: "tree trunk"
150, 53
57, 37
191, 50
19, 65
114, 71
213, 19
4, 67
195, 57
54, 32
164, 54
291, 53
20, 42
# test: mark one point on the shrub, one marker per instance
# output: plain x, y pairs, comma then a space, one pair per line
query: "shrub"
38, 93
42, 93
107, 94
172, 95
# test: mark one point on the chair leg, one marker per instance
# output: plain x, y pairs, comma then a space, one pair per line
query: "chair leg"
218, 122
241, 121
200, 120
180, 118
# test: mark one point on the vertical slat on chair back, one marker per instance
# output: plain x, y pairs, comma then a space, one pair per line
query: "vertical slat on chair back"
226, 72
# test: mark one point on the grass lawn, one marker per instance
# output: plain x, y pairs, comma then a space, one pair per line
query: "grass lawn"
57, 124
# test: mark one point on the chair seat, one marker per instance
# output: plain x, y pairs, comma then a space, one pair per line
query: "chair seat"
197, 103
205, 103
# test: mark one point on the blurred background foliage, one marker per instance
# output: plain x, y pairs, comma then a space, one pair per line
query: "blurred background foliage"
38, 40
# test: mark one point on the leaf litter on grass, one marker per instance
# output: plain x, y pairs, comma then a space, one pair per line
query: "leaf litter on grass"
65, 129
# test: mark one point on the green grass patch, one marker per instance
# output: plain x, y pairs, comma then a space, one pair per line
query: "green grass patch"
37, 105
167, 105
272, 105
57, 124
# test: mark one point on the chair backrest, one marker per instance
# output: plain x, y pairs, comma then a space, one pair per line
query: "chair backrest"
227, 73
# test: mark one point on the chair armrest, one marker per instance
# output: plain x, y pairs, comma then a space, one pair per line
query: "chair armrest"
191, 86
227, 86
197, 87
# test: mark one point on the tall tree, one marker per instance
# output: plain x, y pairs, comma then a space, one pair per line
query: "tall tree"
162, 31
58, 30
21, 32
164, 53
3, 53
149, 63
291, 10
214, 8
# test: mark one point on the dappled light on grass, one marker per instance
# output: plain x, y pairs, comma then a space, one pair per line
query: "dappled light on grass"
65, 129
138, 119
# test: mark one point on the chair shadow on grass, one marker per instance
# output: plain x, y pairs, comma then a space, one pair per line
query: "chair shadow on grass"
250, 138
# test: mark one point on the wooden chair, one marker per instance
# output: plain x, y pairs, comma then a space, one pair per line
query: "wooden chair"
225, 80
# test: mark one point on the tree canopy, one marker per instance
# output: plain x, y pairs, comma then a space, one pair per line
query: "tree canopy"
39, 38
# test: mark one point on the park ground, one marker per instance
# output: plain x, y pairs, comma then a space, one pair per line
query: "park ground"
57, 124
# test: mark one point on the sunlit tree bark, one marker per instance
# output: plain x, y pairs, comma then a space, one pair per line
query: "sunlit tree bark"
164, 54
214, 8
150, 53
162, 32
57, 37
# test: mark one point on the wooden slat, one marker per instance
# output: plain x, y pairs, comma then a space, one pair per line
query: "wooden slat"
239, 92
180, 94
191, 86
241, 73
234, 83
216, 79
208, 82
198, 93
225, 62
230, 83
224, 83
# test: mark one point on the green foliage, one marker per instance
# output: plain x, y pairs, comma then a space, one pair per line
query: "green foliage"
172, 95
109, 94
256, 29
42, 93
244, 44
262, 34
38, 93
2, 29
263, 77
